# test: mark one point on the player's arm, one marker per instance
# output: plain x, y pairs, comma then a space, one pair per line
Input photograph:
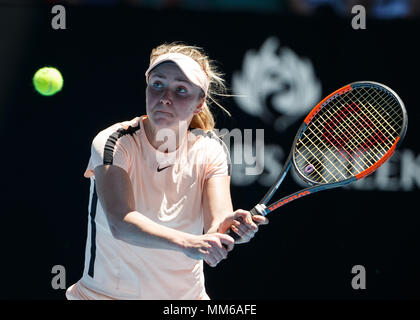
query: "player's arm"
116, 195
218, 211
217, 203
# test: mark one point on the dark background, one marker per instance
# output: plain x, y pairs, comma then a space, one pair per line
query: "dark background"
310, 246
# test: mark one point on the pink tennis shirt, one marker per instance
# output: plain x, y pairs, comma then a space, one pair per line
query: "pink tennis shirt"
168, 189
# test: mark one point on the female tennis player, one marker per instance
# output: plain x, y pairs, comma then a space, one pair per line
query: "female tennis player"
157, 182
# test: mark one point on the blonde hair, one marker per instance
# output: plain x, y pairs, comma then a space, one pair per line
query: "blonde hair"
205, 119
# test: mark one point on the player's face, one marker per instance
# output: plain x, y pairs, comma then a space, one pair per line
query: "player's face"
171, 97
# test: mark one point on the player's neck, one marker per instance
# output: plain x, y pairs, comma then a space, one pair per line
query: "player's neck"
165, 139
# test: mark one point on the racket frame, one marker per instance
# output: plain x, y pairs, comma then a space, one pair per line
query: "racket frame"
262, 208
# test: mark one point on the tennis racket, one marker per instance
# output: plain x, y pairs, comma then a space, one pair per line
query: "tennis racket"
346, 137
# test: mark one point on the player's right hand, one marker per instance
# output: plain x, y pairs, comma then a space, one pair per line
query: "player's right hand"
211, 247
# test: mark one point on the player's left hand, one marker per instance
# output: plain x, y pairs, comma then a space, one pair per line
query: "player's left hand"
244, 224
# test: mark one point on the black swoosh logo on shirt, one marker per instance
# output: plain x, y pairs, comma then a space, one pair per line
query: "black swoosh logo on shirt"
160, 169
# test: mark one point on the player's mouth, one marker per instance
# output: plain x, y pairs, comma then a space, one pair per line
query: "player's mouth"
162, 112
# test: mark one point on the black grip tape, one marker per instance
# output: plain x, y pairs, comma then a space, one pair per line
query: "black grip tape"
234, 235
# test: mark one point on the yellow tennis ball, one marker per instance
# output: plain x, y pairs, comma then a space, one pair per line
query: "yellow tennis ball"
48, 81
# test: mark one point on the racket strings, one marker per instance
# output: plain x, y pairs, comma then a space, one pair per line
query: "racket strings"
348, 153
393, 120
314, 155
358, 128
321, 152
345, 130
348, 135
349, 146
372, 115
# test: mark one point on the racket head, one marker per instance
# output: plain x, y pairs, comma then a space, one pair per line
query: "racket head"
349, 134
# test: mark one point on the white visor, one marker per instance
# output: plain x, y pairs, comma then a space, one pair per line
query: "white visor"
188, 66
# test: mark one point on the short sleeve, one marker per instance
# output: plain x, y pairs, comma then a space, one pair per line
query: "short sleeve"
218, 159
108, 148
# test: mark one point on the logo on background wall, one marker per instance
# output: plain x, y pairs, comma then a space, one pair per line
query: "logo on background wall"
276, 85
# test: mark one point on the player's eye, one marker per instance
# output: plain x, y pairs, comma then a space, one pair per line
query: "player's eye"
157, 84
182, 90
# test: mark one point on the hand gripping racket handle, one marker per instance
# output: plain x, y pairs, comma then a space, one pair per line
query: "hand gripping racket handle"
257, 210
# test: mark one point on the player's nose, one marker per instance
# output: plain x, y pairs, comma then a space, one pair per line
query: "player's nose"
166, 98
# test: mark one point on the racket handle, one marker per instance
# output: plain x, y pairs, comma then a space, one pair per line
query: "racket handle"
234, 235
